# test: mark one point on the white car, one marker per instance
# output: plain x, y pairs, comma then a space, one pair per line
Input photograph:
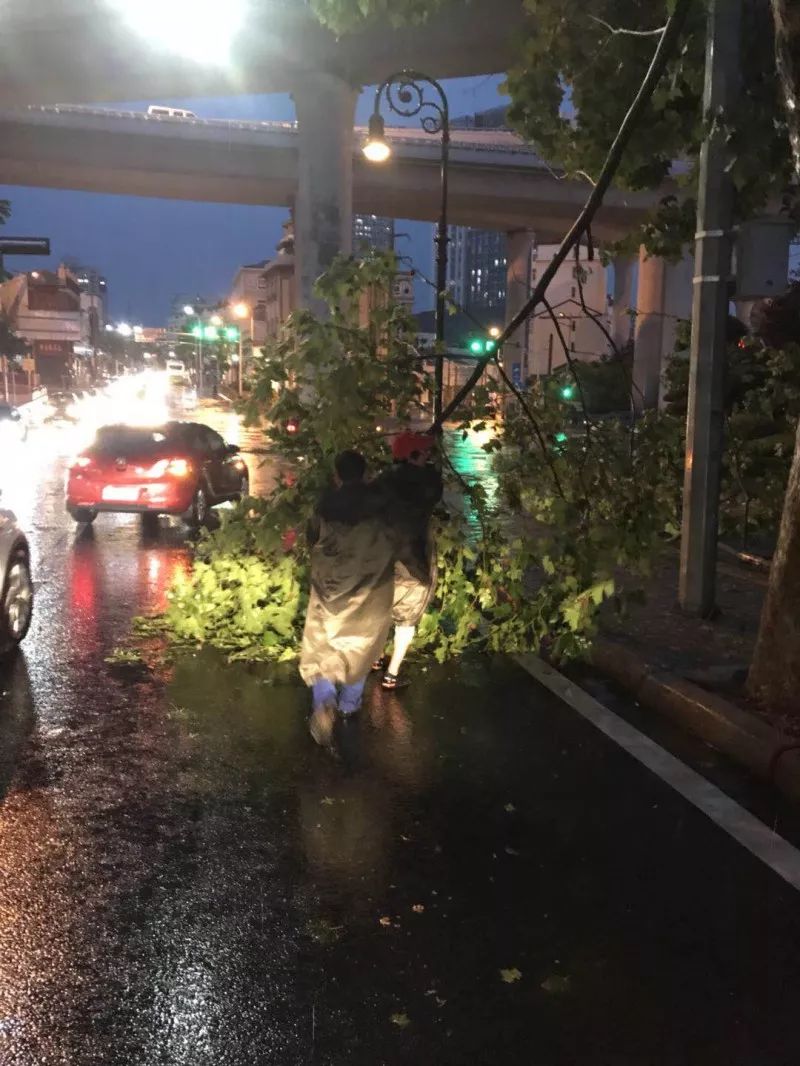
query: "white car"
16, 586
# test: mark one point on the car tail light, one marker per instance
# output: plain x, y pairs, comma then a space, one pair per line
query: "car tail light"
172, 467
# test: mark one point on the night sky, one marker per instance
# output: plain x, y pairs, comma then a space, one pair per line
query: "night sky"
152, 250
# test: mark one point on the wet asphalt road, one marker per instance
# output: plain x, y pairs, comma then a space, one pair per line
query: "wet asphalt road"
479, 877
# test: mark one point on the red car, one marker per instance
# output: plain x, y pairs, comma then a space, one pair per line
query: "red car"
180, 468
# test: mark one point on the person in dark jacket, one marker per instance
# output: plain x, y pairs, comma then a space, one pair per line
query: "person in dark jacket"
352, 587
412, 487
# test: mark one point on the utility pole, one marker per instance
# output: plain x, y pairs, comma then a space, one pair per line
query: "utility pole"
712, 267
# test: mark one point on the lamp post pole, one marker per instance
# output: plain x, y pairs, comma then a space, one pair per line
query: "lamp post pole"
405, 95
241, 361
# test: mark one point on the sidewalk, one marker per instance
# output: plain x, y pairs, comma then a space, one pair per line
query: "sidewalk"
701, 650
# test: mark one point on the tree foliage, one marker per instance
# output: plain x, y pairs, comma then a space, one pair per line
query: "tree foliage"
579, 67
327, 383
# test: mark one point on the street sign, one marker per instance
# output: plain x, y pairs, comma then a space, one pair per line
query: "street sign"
24, 246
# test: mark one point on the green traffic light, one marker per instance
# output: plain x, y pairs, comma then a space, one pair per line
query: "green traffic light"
567, 392
489, 346
476, 346
231, 333
211, 333
197, 331
560, 438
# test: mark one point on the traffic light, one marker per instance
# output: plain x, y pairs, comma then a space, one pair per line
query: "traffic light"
567, 392
481, 346
197, 331
231, 333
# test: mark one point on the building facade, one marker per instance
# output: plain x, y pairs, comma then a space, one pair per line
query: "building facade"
544, 351
44, 308
93, 289
476, 272
373, 231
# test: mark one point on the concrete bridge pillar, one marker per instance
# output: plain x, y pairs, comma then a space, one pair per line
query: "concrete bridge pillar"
664, 297
323, 211
624, 299
519, 245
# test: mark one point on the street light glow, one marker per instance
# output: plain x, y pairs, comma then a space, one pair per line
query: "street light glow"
188, 309
376, 148
197, 29
240, 310
216, 320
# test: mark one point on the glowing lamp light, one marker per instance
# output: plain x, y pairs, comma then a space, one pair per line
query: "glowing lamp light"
240, 310
193, 28
494, 331
476, 346
211, 333
376, 148
561, 438
188, 309
231, 333
197, 331
568, 392
215, 320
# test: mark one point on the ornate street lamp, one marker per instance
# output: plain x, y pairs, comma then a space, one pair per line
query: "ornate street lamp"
405, 94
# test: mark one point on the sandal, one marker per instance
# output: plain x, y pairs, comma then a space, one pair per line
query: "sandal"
390, 682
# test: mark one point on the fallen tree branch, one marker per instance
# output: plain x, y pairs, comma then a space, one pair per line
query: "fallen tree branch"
658, 64
617, 30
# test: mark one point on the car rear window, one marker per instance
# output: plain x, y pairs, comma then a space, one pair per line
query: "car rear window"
130, 440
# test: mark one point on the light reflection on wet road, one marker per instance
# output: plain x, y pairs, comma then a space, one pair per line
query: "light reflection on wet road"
186, 880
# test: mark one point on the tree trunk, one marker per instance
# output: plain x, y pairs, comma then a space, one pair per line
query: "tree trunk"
775, 671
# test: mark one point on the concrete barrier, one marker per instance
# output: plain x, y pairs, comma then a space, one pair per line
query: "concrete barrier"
746, 738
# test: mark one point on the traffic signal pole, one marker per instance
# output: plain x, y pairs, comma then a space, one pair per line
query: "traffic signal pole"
704, 427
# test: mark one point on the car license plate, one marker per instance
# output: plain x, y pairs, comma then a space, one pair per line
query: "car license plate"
121, 494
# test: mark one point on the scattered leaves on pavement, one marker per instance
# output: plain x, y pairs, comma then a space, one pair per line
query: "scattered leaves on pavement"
418, 908
402, 1021
324, 931
124, 657
509, 808
385, 920
327, 801
511, 975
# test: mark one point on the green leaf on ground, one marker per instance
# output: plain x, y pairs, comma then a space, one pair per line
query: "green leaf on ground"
556, 984
511, 975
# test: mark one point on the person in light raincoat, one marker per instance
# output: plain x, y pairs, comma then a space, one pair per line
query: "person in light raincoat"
352, 587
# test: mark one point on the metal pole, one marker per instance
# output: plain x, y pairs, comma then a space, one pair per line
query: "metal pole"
200, 366
441, 272
241, 362
704, 426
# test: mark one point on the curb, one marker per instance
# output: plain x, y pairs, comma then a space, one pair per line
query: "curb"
745, 738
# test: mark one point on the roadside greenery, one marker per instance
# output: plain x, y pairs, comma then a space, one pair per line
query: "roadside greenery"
586, 502
326, 383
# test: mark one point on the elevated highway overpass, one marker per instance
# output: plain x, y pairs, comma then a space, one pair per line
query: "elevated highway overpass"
496, 180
